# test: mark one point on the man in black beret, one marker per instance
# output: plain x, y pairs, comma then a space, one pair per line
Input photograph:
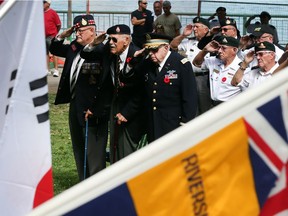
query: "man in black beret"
126, 119
262, 33
264, 20
188, 46
171, 95
81, 83
221, 67
247, 77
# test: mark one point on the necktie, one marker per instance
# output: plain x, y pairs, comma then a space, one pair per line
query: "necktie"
74, 79
117, 72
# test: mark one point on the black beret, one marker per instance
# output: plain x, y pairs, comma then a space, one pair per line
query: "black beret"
83, 20
201, 20
260, 30
265, 14
154, 40
228, 41
119, 29
228, 21
264, 46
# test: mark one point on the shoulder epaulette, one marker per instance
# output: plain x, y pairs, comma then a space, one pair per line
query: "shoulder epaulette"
184, 60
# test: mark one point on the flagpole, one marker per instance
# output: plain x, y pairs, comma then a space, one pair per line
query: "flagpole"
6, 5
87, 7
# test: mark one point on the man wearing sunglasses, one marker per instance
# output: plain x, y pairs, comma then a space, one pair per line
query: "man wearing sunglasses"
262, 33
221, 67
188, 46
84, 86
246, 77
142, 21
228, 28
171, 95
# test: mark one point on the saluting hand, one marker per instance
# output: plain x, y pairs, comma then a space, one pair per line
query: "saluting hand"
188, 30
67, 32
99, 39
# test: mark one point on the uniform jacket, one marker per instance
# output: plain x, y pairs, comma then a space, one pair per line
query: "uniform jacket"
171, 95
93, 89
130, 95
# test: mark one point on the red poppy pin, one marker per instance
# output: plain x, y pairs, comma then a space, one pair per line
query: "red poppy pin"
224, 79
128, 60
73, 47
166, 79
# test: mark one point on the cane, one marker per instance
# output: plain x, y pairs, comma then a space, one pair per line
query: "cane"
86, 144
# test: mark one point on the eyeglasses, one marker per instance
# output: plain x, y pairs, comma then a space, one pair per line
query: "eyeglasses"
80, 31
145, 3
115, 40
225, 29
262, 53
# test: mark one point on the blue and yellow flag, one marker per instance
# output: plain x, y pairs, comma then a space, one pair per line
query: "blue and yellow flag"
230, 164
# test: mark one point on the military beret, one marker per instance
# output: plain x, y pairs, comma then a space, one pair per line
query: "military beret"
265, 14
119, 29
228, 21
154, 40
228, 41
260, 30
83, 20
264, 46
201, 20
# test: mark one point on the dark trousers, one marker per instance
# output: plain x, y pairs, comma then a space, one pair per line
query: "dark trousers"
203, 93
96, 148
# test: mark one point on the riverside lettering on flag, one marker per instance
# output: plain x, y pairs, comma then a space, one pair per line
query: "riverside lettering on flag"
231, 160
25, 150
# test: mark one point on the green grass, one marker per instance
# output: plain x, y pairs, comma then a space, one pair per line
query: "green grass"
63, 164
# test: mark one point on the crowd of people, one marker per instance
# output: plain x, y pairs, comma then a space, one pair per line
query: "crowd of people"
142, 84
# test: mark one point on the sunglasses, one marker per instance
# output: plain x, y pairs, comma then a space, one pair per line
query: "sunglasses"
145, 3
115, 40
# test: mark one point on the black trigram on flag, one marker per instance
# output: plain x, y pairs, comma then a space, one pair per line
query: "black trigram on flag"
40, 100
10, 91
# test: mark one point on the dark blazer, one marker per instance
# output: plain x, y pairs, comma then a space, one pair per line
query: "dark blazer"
93, 89
171, 95
130, 95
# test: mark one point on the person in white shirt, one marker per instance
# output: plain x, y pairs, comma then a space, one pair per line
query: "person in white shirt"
221, 68
250, 77
187, 46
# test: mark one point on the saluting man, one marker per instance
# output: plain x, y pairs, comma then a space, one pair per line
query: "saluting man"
170, 87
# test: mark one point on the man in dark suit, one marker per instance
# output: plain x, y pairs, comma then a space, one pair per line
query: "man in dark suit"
170, 87
127, 107
85, 86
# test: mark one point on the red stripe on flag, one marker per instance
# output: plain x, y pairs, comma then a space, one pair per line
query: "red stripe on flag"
263, 146
276, 204
44, 190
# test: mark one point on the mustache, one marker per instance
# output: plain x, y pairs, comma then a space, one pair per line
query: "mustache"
112, 46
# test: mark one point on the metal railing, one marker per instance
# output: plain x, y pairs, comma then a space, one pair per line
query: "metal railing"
104, 20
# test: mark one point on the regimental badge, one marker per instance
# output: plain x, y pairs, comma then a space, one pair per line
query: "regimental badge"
197, 19
228, 22
118, 29
83, 22
258, 29
262, 46
148, 37
184, 60
224, 40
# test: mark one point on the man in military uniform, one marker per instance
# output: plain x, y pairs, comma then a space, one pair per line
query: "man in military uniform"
221, 68
246, 77
84, 85
188, 46
170, 87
